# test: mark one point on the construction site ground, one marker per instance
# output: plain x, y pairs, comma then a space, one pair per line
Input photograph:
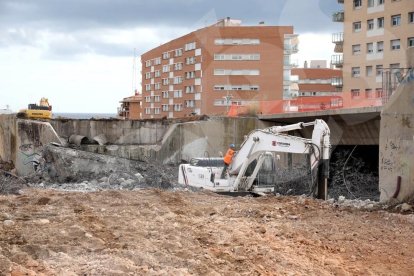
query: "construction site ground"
167, 232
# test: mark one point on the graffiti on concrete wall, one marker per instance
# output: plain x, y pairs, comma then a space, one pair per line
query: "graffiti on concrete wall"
31, 154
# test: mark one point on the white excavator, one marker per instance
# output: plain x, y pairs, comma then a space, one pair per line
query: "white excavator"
261, 144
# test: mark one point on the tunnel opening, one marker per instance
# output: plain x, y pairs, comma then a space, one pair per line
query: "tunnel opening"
354, 172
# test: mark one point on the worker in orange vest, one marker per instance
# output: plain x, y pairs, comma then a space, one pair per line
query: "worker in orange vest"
227, 159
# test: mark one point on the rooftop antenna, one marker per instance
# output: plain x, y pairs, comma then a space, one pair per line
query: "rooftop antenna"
134, 77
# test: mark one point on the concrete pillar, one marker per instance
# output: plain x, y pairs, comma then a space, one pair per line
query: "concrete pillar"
396, 156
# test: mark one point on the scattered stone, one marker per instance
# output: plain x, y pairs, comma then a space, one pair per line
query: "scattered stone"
405, 207
42, 221
8, 223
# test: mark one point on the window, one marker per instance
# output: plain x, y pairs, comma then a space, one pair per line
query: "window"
148, 63
189, 103
165, 94
410, 42
236, 56
165, 68
165, 55
177, 80
356, 26
356, 49
380, 46
157, 73
147, 110
355, 72
371, 3
245, 87
148, 99
178, 93
190, 60
157, 86
411, 17
395, 44
357, 4
370, 48
395, 67
189, 89
157, 61
369, 94
190, 46
178, 107
190, 75
355, 93
380, 23
378, 92
164, 107
157, 110
236, 41
178, 66
370, 24
368, 71
165, 81
381, 2
378, 69
178, 52
147, 87
396, 20
147, 75
157, 99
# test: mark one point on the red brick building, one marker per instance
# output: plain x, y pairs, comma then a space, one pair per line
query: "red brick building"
206, 71
131, 107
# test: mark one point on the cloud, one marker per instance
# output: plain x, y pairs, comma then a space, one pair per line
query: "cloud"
70, 28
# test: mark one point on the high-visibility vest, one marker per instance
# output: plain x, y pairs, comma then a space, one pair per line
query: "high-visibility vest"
229, 156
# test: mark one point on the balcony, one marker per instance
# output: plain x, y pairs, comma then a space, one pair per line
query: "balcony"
337, 60
338, 16
291, 49
337, 82
338, 38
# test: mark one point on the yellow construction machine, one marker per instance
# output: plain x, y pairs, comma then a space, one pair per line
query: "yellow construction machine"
43, 110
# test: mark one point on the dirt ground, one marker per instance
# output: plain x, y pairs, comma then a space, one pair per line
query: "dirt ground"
154, 232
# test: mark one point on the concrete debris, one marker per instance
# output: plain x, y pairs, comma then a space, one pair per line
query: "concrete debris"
405, 207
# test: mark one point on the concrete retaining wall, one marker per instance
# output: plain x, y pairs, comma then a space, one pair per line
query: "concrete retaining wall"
396, 158
8, 137
22, 141
116, 131
182, 141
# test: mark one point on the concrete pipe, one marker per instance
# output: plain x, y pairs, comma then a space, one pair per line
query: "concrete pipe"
100, 139
78, 139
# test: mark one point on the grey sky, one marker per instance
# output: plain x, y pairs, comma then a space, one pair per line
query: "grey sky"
75, 50
23, 22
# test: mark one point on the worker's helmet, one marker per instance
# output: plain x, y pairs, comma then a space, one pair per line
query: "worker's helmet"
232, 146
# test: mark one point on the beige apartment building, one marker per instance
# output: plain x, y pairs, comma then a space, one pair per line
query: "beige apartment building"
210, 69
372, 48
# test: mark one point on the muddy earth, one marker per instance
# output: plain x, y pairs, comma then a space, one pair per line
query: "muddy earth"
170, 232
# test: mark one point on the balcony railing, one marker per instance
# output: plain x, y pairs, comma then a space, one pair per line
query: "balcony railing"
337, 81
338, 16
338, 38
337, 60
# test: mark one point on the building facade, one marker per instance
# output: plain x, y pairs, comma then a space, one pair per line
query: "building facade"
131, 107
372, 48
210, 69
317, 80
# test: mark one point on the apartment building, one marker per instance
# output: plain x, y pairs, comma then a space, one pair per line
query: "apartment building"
131, 107
372, 48
210, 69
316, 79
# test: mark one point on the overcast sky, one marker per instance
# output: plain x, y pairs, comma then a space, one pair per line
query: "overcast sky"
80, 53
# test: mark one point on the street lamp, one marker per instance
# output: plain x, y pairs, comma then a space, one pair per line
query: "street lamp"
228, 100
